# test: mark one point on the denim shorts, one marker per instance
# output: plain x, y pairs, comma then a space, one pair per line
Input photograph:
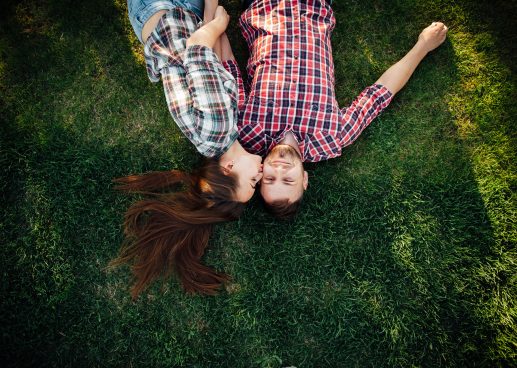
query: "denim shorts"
141, 10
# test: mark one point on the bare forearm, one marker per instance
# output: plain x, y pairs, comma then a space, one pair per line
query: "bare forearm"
208, 16
399, 73
209, 33
226, 48
209, 12
206, 35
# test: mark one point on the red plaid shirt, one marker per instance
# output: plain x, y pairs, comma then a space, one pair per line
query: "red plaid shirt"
291, 74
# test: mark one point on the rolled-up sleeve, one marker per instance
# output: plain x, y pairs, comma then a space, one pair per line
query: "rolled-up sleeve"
213, 91
365, 108
201, 96
232, 67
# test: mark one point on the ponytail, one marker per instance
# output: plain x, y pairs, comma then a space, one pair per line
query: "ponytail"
168, 231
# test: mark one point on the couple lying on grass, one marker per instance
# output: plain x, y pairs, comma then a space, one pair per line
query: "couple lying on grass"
289, 115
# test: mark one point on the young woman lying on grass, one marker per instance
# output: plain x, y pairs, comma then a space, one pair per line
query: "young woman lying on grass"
168, 231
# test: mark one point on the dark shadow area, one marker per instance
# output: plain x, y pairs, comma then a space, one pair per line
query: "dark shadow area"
61, 219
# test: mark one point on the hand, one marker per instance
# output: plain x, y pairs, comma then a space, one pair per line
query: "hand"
432, 36
208, 34
222, 16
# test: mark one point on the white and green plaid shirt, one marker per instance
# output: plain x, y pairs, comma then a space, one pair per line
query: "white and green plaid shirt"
201, 94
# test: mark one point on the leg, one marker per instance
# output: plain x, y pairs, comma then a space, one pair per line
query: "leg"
208, 16
141, 11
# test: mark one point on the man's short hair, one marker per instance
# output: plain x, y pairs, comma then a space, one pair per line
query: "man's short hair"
283, 209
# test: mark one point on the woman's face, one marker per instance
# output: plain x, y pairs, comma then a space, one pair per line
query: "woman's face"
248, 170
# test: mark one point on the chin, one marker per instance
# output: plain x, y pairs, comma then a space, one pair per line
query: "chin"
283, 150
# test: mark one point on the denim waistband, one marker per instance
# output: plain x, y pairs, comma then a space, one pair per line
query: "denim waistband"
140, 11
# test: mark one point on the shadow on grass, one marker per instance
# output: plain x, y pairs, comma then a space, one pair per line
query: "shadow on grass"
73, 119
382, 268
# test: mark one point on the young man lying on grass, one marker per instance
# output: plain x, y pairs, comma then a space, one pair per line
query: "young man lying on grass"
291, 115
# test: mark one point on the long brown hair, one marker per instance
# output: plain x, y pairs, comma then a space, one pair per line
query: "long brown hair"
168, 231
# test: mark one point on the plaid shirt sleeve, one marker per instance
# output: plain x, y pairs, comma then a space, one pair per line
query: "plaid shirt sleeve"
202, 98
370, 103
232, 67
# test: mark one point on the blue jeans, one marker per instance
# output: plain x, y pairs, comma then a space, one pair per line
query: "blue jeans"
141, 10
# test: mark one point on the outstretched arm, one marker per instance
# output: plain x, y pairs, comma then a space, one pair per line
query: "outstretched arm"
398, 74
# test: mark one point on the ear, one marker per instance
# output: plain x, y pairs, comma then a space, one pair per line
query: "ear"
305, 180
228, 166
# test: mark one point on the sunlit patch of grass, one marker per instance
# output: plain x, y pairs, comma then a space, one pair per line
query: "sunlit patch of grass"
136, 46
483, 105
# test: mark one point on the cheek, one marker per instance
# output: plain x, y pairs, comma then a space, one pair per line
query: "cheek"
263, 191
267, 170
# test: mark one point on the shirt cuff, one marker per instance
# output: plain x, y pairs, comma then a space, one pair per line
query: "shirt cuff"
381, 93
199, 54
231, 138
217, 149
231, 64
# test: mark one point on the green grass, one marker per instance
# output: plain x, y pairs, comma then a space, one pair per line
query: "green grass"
404, 254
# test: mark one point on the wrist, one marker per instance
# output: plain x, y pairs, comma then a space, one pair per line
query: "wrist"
201, 38
420, 49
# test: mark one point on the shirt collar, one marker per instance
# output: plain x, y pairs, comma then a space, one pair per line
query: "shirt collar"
278, 138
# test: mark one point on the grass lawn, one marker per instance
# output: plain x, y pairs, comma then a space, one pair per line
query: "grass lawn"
404, 254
